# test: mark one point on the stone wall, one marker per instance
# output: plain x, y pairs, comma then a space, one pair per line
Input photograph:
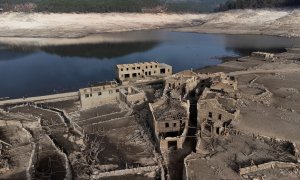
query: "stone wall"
264, 138
123, 172
214, 113
132, 95
262, 55
129, 72
297, 151
47, 98
131, 99
264, 97
98, 98
265, 166
191, 84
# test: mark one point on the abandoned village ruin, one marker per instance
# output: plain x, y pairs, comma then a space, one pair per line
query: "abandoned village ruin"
147, 123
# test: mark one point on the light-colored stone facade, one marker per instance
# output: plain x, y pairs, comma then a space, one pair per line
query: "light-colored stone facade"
215, 113
144, 70
262, 55
223, 83
110, 92
131, 95
181, 83
95, 96
266, 166
170, 119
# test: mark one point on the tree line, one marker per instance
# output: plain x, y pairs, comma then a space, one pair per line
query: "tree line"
81, 6
253, 4
102, 6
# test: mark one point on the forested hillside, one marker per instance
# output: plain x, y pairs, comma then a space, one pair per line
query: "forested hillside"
78, 5
100, 6
243, 4
193, 5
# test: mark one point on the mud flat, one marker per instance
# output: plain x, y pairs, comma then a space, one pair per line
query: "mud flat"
268, 22
54, 29
79, 25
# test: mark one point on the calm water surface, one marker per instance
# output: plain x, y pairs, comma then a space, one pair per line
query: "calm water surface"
31, 71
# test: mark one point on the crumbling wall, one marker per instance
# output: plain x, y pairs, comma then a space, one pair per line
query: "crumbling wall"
297, 152
185, 174
174, 124
262, 55
133, 98
179, 142
151, 119
191, 84
264, 97
104, 95
207, 112
295, 148
265, 166
97, 100
143, 71
123, 172
221, 82
40, 99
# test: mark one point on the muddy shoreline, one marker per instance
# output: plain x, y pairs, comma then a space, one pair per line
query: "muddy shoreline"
40, 29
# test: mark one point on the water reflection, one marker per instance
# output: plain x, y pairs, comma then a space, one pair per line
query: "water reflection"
100, 51
10, 53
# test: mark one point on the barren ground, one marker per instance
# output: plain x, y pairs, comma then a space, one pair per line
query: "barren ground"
40, 133
276, 112
268, 22
234, 151
43, 29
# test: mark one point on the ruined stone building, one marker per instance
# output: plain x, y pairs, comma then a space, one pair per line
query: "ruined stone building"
131, 95
109, 92
216, 106
170, 118
102, 93
186, 77
141, 71
215, 113
180, 83
263, 55
220, 82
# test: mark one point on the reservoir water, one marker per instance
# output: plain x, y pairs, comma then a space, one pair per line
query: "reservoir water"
32, 71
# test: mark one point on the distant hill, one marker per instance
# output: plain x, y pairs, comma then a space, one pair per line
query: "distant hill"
150, 6
253, 4
78, 5
100, 6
